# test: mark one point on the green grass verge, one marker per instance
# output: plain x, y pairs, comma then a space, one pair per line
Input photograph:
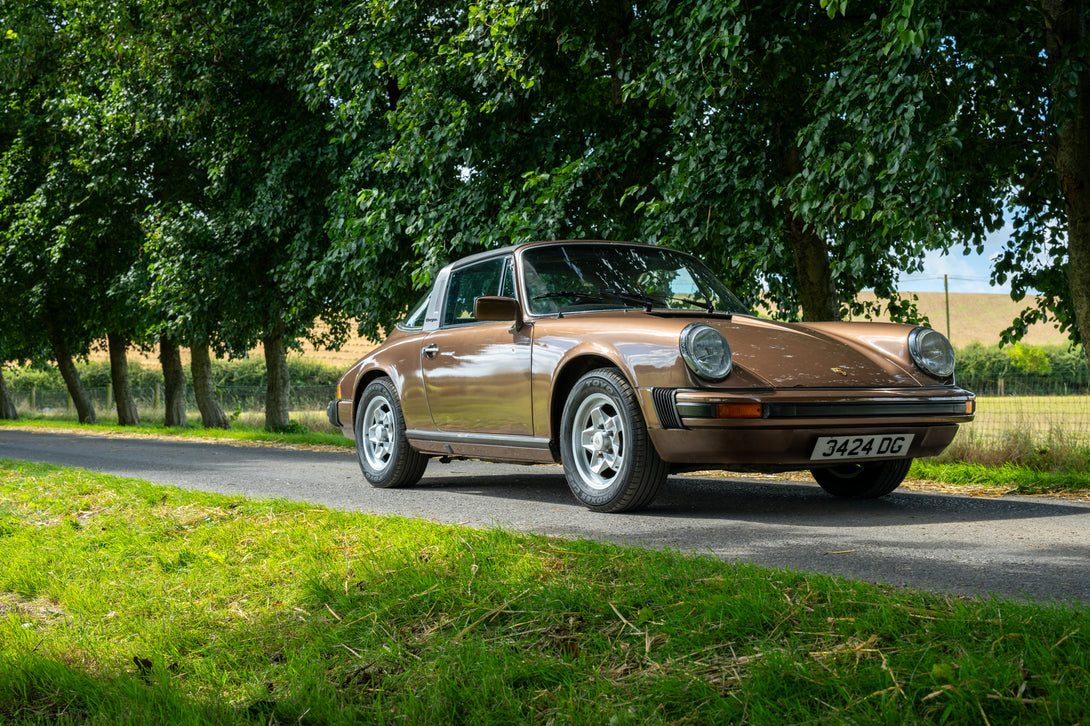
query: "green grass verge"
127, 602
1019, 460
1010, 478
239, 432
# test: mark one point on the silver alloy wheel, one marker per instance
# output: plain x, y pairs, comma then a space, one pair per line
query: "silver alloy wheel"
598, 441
378, 422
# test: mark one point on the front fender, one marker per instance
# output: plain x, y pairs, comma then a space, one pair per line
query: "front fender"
559, 361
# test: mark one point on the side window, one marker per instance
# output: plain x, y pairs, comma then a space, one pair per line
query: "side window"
415, 319
468, 284
507, 287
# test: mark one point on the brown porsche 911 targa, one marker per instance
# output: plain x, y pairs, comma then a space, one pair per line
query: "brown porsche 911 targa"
626, 362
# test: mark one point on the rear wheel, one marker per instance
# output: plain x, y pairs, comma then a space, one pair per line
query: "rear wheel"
863, 481
609, 460
384, 453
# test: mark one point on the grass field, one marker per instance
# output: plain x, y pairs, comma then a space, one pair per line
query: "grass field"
122, 602
1036, 416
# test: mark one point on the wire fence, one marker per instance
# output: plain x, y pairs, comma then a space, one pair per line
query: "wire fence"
232, 398
1035, 405
1030, 404
1026, 384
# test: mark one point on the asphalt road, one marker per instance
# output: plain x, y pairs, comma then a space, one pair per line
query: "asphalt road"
1012, 547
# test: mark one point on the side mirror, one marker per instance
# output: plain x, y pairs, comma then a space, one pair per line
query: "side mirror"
498, 309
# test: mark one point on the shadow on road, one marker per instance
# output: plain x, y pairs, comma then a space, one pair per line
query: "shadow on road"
768, 502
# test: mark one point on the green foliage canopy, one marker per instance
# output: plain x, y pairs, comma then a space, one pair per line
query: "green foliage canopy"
226, 171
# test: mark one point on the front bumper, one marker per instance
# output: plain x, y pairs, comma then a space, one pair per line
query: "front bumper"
784, 448
339, 413
779, 428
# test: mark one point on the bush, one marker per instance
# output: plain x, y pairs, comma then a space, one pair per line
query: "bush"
29, 378
252, 372
1062, 363
248, 372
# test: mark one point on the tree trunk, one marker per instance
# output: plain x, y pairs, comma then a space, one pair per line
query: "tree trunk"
84, 408
200, 365
278, 389
127, 414
170, 357
817, 289
7, 405
1065, 34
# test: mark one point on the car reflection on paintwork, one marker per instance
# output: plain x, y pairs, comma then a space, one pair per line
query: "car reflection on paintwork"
625, 362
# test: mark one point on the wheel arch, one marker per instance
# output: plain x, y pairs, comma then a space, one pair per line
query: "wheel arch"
362, 381
564, 382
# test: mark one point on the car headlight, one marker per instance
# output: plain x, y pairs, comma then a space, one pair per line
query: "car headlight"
706, 352
932, 352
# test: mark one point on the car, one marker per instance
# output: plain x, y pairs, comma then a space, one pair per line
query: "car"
626, 362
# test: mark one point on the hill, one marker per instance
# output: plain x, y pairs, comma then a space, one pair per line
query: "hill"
979, 317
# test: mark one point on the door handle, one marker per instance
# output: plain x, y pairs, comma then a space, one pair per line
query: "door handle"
430, 350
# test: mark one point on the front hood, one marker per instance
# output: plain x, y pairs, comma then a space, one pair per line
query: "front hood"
795, 355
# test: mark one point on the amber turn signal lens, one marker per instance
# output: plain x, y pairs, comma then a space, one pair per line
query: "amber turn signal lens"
738, 410
970, 407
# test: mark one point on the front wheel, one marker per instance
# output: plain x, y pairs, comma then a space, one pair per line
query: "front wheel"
384, 453
609, 460
863, 481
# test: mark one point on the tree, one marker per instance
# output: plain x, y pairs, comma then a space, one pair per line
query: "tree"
204, 390
40, 265
127, 414
7, 403
71, 196
474, 126
672, 122
170, 358
1067, 47
745, 82
998, 97
230, 259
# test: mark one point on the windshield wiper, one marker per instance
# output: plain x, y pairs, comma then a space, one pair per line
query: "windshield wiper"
649, 301
634, 297
570, 293
705, 304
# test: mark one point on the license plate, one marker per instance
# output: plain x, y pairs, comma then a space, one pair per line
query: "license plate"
831, 448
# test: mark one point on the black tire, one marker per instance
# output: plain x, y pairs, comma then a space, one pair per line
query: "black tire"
382, 450
863, 481
609, 460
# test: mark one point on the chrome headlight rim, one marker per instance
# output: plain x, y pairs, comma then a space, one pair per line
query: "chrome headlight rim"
692, 338
919, 341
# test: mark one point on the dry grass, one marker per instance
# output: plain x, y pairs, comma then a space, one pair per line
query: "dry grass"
979, 317
349, 353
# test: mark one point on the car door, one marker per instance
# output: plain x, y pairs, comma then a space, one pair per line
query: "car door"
477, 373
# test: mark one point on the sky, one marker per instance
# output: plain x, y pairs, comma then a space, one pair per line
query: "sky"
966, 273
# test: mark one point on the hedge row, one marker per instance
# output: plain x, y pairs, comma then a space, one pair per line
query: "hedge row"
244, 372
1058, 362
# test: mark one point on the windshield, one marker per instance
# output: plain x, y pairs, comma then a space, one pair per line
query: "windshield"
574, 277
